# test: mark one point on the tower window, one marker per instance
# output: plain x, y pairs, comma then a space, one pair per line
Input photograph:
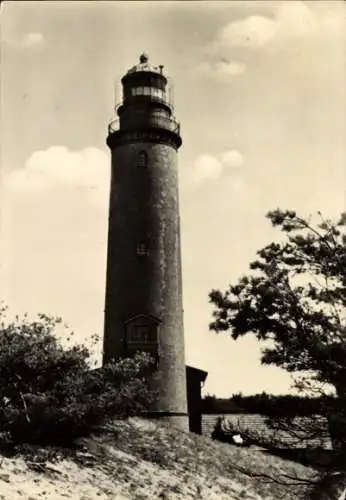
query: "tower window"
149, 91
142, 159
141, 334
143, 338
142, 248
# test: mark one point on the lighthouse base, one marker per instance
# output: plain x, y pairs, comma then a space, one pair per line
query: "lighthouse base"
178, 420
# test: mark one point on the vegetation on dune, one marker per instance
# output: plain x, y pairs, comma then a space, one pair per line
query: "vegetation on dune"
51, 399
136, 459
50, 393
53, 403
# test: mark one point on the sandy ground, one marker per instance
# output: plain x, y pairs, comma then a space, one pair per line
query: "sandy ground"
147, 462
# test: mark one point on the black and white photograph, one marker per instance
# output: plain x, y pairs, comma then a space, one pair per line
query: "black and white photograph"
173, 250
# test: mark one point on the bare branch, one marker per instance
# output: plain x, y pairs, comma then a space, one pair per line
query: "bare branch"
16, 385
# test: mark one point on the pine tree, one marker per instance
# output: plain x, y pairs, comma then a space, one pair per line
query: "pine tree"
294, 297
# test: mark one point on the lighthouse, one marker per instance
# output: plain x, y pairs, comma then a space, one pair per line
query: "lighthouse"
143, 305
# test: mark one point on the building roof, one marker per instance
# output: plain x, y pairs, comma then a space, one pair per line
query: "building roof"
201, 373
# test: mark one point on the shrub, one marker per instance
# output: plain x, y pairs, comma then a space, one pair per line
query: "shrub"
50, 394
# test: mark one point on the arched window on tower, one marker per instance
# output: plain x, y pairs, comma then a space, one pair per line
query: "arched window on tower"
142, 159
142, 248
141, 335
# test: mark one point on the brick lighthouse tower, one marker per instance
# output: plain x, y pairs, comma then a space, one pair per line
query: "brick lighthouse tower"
144, 286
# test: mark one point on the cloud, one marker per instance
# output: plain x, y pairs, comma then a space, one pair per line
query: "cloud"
232, 159
57, 169
32, 39
221, 71
292, 21
293, 31
54, 220
251, 32
207, 167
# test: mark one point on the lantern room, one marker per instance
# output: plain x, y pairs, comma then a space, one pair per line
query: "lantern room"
145, 79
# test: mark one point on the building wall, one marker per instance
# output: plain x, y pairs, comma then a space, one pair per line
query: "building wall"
194, 401
256, 423
144, 207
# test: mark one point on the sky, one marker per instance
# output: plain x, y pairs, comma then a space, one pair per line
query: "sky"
260, 91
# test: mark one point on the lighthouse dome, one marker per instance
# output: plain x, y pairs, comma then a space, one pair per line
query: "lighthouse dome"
144, 65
